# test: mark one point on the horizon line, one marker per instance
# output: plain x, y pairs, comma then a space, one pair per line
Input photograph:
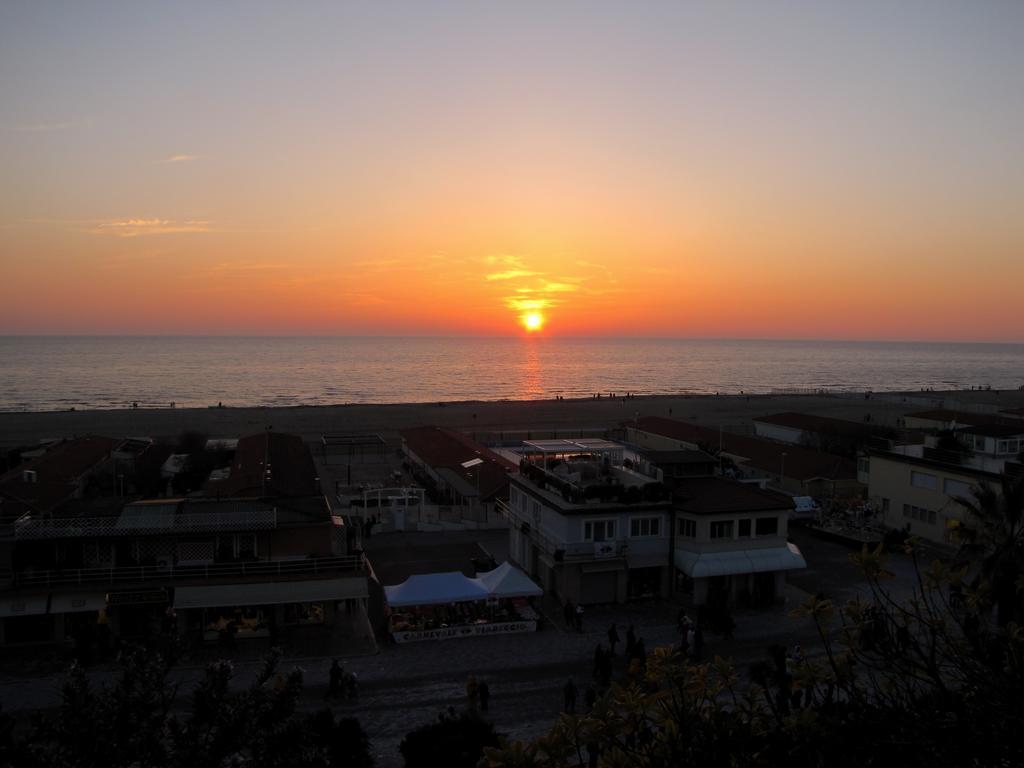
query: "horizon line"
531, 337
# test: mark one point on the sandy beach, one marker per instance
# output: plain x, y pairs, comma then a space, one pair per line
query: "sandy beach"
730, 411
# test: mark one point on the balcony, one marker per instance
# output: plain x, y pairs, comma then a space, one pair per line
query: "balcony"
29, 526
257, 570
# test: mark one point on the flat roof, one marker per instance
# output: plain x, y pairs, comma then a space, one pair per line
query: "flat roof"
595, 444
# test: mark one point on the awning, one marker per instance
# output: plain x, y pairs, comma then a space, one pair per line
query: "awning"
271, 593
435, 589
508, 581
80, 602
24, 605
738, 561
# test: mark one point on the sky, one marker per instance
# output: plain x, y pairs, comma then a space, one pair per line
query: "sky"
758, 170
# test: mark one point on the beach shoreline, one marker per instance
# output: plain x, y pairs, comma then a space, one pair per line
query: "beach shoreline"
733, 411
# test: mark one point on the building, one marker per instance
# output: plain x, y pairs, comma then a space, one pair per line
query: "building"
944, 419
790, 468
820, 432
586, 527
730, 541
917, 489
458, 472
92, 569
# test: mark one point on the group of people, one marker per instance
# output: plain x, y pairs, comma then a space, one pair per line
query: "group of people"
342, 684
573, 615
478, 693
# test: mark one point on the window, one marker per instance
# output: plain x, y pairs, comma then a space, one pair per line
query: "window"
744, 529
956, 488
645, 526
721, 529
864, 466
599, 530
304, 613
919, 513
885, 505
1004, 446
687, 528
767, 526
924, 480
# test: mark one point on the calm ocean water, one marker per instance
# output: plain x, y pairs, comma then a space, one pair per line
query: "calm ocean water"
47, 373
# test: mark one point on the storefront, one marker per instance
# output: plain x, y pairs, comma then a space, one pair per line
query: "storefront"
226, 612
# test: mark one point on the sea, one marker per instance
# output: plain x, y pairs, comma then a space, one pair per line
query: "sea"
98, 372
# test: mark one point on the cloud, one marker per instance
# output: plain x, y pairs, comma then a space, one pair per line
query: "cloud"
528, 305
145, 227
550, 287
178, 159
511, 274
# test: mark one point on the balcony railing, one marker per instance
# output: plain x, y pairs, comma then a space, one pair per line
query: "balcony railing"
558, 550
31, 527
258, 569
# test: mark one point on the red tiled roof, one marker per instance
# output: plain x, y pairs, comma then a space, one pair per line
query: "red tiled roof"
715, 495
445, 448
67, 461
801, 463
291, 469
57, 472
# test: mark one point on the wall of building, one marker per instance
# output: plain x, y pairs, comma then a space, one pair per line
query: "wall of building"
891, 487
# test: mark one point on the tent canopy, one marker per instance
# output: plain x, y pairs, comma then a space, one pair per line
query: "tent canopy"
435, 589
505, 581
508, 581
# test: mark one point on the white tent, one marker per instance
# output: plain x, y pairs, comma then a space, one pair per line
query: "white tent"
508, 581
435, 589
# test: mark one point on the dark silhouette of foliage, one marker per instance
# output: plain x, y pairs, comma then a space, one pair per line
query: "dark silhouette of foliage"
131, 723
456, 741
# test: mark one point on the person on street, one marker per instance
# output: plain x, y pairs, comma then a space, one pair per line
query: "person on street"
613, 638
472, 691
485, 695
579, 619
334, 677
630, 642
569, 696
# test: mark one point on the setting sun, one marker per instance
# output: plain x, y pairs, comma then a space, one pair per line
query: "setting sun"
533, 321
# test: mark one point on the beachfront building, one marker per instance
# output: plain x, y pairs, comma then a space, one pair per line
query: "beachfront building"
464, 479
585, 525
837, 436
94, 569
730, 542
917, 488
792, 469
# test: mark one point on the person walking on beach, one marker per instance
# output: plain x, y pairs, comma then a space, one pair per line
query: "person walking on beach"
569, 697
613, 638
485, 695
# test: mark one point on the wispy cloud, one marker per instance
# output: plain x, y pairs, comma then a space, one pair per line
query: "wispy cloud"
146, 227
520, 304
177, 159
511, 274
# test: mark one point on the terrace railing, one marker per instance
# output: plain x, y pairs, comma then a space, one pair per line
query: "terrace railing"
257, 569
30, 526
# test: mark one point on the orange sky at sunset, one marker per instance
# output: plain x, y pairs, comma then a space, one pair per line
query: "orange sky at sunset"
668, 172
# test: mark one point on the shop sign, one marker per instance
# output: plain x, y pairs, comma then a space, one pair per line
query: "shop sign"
469, 630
